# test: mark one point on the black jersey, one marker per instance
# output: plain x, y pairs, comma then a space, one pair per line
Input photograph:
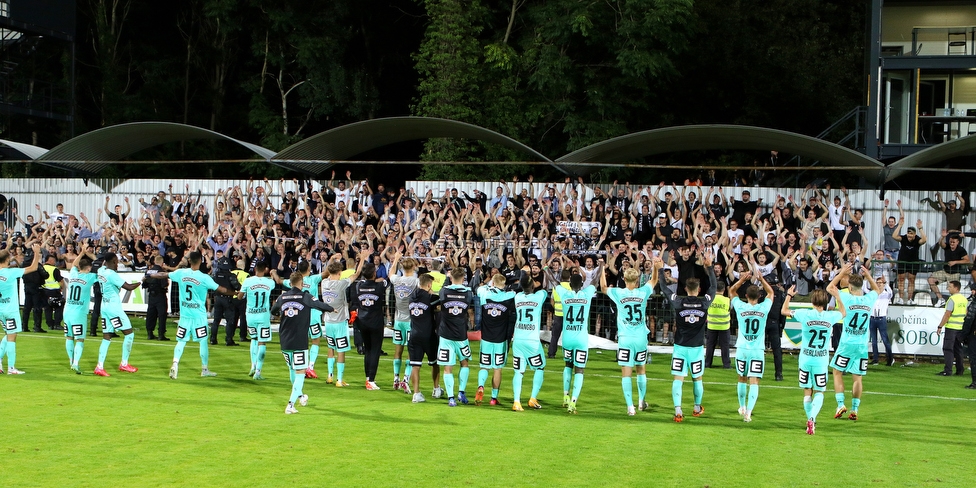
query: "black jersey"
455, 301
295, 308
369, 300
497, 314
422, 308
691, 314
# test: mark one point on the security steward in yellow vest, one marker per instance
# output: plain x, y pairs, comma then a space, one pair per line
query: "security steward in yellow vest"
557, 313
952, 322
719, 320
53, 296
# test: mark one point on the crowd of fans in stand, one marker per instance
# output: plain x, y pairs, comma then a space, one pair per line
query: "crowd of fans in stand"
800, 241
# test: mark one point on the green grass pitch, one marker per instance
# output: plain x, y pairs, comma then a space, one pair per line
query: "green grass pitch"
143, 429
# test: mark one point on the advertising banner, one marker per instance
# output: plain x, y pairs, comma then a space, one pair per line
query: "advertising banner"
911, 329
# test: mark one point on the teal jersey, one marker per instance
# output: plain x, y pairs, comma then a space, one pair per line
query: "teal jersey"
858, 308
576, 311
630, 310
192, 287
816, 328
528, 310
752, 323
311, 284
257, 292
79, 291
9, 290
489, 292
111, 290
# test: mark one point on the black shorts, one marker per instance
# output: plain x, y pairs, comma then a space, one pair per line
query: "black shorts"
909, 268
418, 347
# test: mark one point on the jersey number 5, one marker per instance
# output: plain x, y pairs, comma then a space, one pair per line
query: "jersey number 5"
818, 335
634, 312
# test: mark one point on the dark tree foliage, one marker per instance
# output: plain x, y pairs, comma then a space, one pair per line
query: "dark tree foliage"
557, 75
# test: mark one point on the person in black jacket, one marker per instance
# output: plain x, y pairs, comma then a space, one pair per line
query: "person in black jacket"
368, 299
156, 302
96, 296
423, 334
775, 323
294, 306
224, 307
968, 331
34, 298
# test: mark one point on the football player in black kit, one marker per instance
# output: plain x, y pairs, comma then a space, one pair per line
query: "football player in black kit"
295, 306
423, 336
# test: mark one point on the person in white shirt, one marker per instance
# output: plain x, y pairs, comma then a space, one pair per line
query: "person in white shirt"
735, 236
835, 216
879, 320
343, 192
56, 216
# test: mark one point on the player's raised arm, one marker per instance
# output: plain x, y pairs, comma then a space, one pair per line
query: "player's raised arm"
37, 259
785, 310
711, 274
656, 264
766, 287
310, 301
162, 275
870, 279
832, 287
733, 290
226, 291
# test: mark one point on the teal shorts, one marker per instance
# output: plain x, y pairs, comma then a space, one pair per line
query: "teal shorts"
528, 355
337, 336
851, 358
686, 360
257, 331
401, 332
576, 351
632, 351
315, 331
195, 330
450, 352
750, 363
115, 322
813, 373
11, 322
75, 325
297, 360
494, 355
